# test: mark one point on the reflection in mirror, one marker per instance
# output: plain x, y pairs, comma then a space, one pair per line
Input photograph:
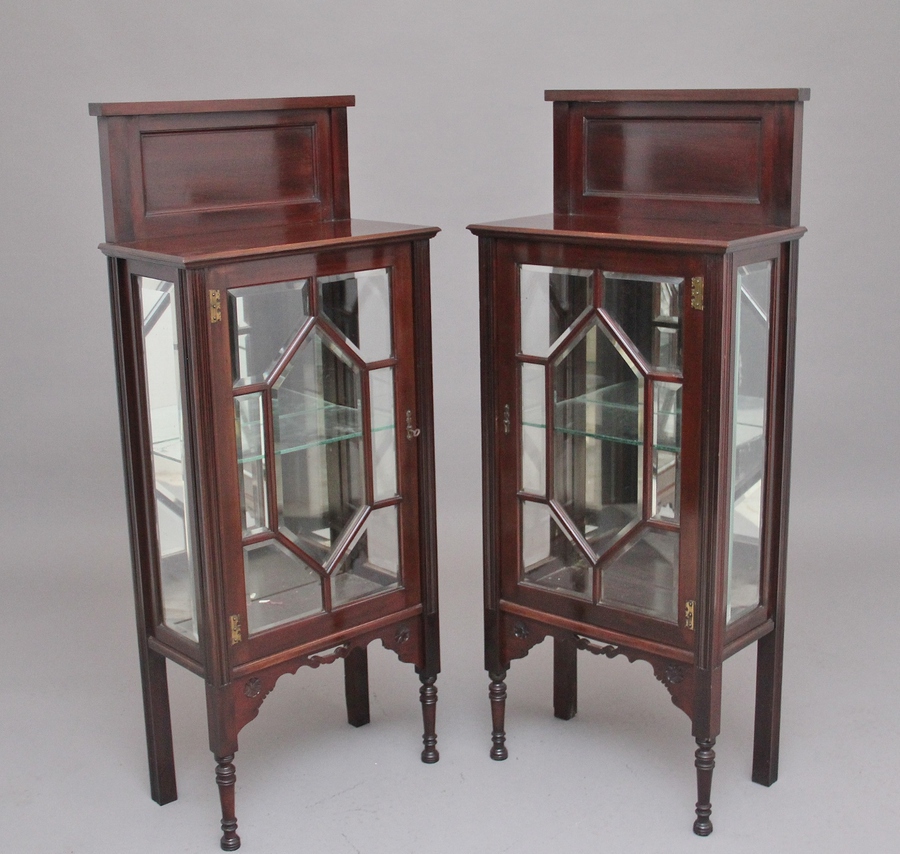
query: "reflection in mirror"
373, 564
551, 300
666, 451
598, 437
644, 577
280, 587
263, 320
751, 368
317, 411
248, 414
549, 558
384, 434
648, 310
162, 371
534, 432
359, 306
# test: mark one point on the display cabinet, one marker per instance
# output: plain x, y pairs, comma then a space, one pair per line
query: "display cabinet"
637, 373
274, 370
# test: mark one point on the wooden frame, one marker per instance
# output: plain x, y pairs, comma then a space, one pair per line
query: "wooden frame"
212, 196
672, 212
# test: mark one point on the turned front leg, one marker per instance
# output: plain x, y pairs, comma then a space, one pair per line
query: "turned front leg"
428, 698
225, 777
497, 694
704, 762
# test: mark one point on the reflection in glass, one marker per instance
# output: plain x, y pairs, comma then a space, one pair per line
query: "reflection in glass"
319, 470
551, 299
598, 437
751, 368
648, 310
373, 564
359, 306
549, 558
280, 587
384, 434
534, 429
644, 578
162, 370
248, 414
666, 451
264, 319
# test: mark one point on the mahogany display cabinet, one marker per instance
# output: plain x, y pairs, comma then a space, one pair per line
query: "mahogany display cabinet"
274, 370
637, 374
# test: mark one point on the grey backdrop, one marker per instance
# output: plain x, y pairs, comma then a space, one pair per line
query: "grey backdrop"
450, 128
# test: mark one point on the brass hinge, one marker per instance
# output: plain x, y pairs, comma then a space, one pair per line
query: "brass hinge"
697, 293
236, 629
689, 614
215, 306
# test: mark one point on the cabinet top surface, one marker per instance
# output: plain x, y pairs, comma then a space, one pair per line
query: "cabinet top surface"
657, 95
243, 244
690, 235
236, 105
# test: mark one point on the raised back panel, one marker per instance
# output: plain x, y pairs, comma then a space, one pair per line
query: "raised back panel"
724, 155
205, 166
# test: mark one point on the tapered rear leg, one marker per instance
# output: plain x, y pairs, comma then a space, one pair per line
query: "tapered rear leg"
565, 678
356, 686
158, 722
767, 729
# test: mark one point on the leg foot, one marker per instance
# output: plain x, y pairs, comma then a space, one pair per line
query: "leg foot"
356, 686
428, 698
497, 694
565, 678
225, 777
704, 762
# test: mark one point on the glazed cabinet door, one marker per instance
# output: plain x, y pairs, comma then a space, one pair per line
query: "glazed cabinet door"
598, 435
315, 403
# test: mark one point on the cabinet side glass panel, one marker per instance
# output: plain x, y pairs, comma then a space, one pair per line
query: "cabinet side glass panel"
748, 455
162, 368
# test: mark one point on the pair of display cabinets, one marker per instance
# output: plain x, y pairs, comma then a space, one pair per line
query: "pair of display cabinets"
274, 370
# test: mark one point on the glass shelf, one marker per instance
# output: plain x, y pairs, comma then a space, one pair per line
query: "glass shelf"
614, 414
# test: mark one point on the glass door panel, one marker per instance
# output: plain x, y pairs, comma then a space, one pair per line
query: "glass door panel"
598, 437
317, 443
162, 372
751, 371
610, 345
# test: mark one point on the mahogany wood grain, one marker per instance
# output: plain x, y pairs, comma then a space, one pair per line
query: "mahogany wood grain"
693, 184
227, 194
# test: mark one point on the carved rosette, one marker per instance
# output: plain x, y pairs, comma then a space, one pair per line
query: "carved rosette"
519, 636
404, 639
